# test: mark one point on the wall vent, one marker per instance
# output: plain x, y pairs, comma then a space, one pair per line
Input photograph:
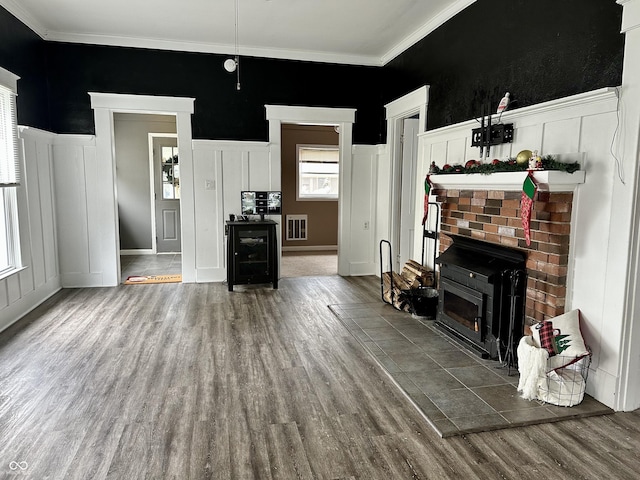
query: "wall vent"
296, 227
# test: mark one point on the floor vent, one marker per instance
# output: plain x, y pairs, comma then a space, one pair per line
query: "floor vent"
296, 227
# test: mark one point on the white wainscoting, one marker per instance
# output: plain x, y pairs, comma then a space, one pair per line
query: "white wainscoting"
78, 212
602, 217
229, 167
362, 246
26, 289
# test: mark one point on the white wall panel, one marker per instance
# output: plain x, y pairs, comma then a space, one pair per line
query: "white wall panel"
71, 209
562, 136
233, 166
527, 138
209, 225
363, 246
24, 290
37, 261
456, 151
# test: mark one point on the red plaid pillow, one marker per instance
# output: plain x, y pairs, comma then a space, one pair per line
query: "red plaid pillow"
561, 337
547, 341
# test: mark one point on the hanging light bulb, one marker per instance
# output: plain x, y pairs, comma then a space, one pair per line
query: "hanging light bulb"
233, 64
230, 65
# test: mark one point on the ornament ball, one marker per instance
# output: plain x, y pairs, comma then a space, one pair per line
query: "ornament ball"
523, 157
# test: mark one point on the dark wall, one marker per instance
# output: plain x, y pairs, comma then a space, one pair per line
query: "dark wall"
221, 112
536, 50
22, 53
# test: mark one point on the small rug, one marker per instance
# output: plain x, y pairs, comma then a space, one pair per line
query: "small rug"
146, 279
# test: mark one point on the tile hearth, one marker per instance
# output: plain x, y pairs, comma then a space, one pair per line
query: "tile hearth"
457, 391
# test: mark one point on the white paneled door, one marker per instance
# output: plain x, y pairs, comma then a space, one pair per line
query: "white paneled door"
167, 194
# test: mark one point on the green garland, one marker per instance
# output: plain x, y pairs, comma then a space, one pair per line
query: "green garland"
510, 165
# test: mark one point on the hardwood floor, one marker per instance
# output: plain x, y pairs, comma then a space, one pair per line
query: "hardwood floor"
189, 381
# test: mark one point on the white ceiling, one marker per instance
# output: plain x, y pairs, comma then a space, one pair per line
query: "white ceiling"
362, 32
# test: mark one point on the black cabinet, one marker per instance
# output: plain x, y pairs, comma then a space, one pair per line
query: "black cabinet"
252, 255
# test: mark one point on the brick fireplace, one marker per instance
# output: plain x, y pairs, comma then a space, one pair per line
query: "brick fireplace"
494, 216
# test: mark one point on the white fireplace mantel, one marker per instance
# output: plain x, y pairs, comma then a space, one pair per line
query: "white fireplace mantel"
547, 180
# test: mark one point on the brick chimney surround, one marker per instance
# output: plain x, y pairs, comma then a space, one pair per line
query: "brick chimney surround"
487, 208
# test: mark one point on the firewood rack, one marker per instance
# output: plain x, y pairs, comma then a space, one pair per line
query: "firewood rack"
427, 234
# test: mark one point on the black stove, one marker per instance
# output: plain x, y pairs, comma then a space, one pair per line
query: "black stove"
481, 295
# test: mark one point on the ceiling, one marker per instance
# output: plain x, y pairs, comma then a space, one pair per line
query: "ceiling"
360, 32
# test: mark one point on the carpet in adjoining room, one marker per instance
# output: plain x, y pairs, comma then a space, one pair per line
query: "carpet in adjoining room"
308, 264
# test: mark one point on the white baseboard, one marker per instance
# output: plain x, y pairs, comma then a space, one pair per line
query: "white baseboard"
137, 251
310, 248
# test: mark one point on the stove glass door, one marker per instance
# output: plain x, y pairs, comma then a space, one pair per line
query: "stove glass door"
462, 308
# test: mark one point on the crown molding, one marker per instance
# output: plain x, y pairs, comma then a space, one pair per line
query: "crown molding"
223, 49
25, 17
630, 14
228, 49
426, 29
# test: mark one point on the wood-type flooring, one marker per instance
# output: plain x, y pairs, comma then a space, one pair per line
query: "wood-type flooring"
190, 381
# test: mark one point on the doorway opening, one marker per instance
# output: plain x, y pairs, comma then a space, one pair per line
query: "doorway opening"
106, 107
148, 186
406, 119
310, 193
342, 120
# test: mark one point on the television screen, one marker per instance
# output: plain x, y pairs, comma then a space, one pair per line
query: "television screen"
260, 203
274, 203
248, 203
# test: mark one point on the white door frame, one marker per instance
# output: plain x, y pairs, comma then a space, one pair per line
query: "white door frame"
152, 182
104, 106
407, 106
343, 118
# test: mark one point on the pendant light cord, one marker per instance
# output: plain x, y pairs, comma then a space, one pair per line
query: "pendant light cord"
237, 48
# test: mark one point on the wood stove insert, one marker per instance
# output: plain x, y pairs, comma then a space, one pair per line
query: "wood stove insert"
481, 296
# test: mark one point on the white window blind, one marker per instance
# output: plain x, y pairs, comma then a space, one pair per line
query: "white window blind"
10, 255
318, 172
9, 158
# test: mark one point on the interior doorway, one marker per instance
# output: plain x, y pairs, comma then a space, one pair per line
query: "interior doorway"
406, 119
105, 106
407, 192
310, 196
342, 119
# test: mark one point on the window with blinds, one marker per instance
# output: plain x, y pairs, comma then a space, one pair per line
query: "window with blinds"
9, 159
10, 257
318, 172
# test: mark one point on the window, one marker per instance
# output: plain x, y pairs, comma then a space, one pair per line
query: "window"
170, 173
9, 174
318, 172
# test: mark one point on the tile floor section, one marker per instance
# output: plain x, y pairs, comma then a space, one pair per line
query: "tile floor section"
457, 391
161, 264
